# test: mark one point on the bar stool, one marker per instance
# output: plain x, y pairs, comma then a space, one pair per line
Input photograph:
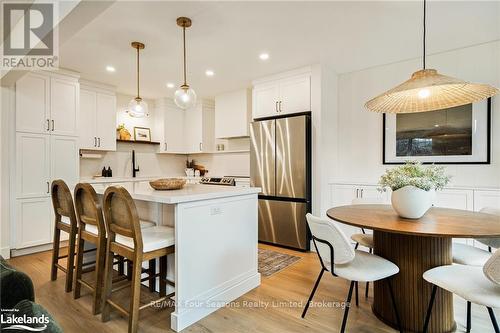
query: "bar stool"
65, 220
126, 238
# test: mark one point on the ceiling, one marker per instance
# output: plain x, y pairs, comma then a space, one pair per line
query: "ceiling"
227, 37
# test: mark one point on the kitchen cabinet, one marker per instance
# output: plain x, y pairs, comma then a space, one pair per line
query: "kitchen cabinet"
33, 222
98, 119
454, 198
47, 103
232, 114
173, 127
64, 159
32, 165
282, 96
486, 198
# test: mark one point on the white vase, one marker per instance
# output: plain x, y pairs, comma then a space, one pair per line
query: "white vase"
412, 202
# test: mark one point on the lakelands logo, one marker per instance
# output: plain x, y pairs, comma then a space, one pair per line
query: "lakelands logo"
23, 323
29, 38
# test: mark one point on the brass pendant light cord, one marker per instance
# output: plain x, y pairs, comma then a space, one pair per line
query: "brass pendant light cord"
138, 97
184, 42
425, 32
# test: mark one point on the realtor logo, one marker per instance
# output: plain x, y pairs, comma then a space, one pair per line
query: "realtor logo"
29, 41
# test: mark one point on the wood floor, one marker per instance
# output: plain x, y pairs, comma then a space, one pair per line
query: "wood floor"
283, 293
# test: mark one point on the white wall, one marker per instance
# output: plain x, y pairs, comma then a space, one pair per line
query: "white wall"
359, 134
4, 172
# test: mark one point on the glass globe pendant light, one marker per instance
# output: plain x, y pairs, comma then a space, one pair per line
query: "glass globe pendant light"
184, 97
137, 107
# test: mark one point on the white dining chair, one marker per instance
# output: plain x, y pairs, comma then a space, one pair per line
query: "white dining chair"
337, 256
469, 255
363, 238
480, 285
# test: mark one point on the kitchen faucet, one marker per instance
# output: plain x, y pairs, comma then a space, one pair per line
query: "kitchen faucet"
134, 169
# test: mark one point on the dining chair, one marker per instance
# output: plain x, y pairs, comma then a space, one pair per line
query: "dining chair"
337, 256
470, 255
363, 238
128, 239
480, 285
65, 220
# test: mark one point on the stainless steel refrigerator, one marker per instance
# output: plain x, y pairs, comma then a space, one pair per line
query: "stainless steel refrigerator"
280, 164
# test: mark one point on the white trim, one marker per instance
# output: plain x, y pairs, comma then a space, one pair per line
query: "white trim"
35, 249
5, 252
294, 72
93, 85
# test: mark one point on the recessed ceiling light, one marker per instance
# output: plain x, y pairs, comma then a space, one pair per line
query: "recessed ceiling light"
170, 85
209, 72
264, 56
110, 69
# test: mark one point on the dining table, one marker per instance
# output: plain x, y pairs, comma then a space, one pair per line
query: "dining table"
415, 246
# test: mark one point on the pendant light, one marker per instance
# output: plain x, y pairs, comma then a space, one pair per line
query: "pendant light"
138, 107
184, 97
427, 90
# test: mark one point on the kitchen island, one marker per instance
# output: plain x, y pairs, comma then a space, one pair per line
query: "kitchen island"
215, 243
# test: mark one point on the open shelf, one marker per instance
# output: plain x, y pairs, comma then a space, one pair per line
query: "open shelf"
140, 142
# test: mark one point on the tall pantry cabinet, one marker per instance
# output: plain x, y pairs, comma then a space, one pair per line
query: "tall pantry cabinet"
47, 112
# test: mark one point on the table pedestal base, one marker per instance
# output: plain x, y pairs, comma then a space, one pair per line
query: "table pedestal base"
413, 255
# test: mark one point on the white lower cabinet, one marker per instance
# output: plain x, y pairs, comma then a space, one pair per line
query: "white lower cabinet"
486, 198
65, 159
33, 222
456, 199
32, 165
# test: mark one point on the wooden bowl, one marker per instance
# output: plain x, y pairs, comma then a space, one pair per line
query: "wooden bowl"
167, 184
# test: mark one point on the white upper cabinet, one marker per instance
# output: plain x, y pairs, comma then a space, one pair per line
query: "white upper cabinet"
97, 119
64, 106
173, 127
232, 114
32, 104
286, 95
47, 104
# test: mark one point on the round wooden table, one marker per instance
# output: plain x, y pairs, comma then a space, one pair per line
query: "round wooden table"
416, 246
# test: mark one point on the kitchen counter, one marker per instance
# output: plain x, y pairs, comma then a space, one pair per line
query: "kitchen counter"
100, 180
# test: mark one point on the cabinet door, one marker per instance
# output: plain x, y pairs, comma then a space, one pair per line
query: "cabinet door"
32, 165
32, 104
64, 104
295, 95
33, 222
484, 199
265, 100
173, 140
372, 195
64, 159
193, 129
106, 122
456, 199
87, 120
342, 195
232, 114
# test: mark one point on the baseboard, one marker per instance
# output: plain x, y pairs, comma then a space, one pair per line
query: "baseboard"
35, 249
179, 321
5, 252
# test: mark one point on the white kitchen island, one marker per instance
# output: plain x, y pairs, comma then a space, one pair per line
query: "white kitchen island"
215, 243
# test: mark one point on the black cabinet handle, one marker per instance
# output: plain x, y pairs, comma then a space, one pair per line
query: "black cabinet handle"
166, 146
276, 106
201, 146
99, 140
279, 108
53, 124
95, 141
48, 187
48, 125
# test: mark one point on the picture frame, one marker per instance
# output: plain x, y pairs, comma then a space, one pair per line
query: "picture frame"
474, 146
142, 134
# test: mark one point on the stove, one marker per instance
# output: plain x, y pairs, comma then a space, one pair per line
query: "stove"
227, 181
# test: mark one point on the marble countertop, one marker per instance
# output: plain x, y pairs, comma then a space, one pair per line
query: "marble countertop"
100, 180
141, 190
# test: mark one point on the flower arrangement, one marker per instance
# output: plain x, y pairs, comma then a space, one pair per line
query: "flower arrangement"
415, 174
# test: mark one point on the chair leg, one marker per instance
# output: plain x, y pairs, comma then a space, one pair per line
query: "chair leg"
133, 319
163, 276
356, 246
367, 288
55, 254
429, 309
108, 285
347, 306
393, 299
121, 265
78, 268
129, 270
493, 320
312, 292
152, 272
357, 297
100, 266
468, 316
70, 261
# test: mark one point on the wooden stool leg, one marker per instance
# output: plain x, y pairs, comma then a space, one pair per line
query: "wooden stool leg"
108, 284
163, 276
79, 264
100, 266
133, 319
152, 272
129, 270
121, 265
55, 253
70, 262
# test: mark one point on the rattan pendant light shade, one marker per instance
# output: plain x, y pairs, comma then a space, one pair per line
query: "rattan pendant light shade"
427, 90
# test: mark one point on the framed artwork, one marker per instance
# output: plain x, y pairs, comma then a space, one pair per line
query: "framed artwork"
458, 135
142, 134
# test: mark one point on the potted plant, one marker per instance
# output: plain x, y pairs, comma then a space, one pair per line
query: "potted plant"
413, 187
122, 132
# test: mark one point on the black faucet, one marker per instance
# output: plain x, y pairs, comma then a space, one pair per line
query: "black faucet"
134, 169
